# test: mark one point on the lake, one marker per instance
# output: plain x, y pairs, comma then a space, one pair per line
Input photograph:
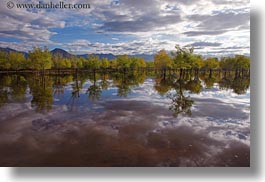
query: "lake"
125, 119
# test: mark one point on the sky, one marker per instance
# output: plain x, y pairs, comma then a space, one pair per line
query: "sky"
213, 27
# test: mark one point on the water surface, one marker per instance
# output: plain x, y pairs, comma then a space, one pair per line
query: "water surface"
125, 119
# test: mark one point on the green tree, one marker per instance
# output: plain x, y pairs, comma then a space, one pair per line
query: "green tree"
162, 60
58, 61
137, 63
17, 60
211, 63
150, 64
92, 62
196, 61
40, 59
237, 62
183, 57
242, 62
4, 63
123, 61
227, 63
113, 63
104, 63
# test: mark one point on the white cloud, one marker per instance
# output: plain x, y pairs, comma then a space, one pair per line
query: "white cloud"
27, 26
165, 23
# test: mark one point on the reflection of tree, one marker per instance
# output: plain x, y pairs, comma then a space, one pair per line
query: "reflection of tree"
209, 82
123, 90
104, 84
94, 91
179, 102
194, 86
126, 80
18, 88
59, 82
238, 84
225, 83
12, 88
41, 90
162, 85
123, 85
210, 79
3, 96
76, 87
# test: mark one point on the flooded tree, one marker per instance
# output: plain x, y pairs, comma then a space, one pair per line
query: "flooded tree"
18, 88
94, 91
40, 59
179, 102
104, 63
12, 88
194, 86
92, 62
59, 62
4, 63
163, 61
59, 82
238, 84
162, 85
182, 57
41, 91
17, 60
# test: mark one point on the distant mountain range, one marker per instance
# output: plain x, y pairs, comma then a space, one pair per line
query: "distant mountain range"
66, 54
8, 50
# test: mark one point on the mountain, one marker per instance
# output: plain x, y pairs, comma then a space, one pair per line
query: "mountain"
108, 56
8, 50
66, 54
146, 57
61, 52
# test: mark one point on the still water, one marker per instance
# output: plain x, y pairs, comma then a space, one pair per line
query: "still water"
124, 119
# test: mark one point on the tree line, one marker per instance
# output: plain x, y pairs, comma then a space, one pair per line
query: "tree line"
182, 58
42, 58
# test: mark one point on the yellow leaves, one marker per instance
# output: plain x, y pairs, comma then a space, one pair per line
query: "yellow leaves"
162, 60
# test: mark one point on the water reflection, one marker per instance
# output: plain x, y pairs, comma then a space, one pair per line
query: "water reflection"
41, 90
125, 119
44, 88
179, 102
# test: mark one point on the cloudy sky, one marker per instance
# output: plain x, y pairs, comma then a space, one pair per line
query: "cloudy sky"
212, 27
